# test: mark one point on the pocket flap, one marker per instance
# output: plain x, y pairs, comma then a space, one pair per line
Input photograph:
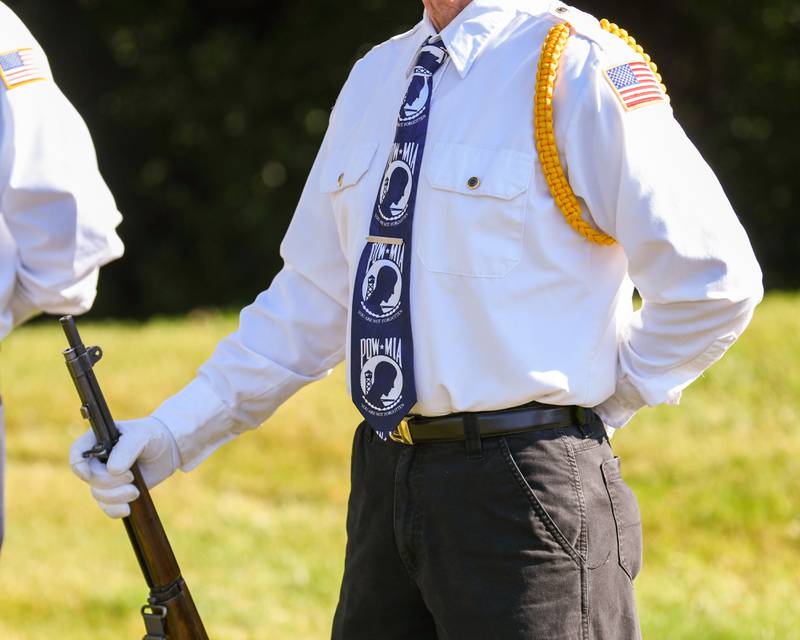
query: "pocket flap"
612, 470
499, 173
346, 165
627, 517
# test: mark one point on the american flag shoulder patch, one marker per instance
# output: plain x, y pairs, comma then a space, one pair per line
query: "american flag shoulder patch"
22, 66
635, 85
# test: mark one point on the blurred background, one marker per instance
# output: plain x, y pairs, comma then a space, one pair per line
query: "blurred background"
207, 117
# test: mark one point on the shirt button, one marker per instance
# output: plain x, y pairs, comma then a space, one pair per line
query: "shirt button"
340, 181
474, 182
562, 9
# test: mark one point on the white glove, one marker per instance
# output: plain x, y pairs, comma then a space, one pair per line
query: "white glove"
147, 441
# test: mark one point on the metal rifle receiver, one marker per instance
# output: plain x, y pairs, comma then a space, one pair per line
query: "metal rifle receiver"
80, 362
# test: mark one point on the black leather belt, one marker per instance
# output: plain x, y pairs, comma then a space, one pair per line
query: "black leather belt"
490, 424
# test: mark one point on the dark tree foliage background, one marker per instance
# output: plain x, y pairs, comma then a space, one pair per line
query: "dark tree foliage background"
207, 117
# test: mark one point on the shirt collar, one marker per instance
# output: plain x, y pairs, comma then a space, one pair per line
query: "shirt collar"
475, 28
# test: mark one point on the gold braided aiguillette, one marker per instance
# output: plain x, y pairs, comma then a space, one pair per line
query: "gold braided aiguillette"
554, 174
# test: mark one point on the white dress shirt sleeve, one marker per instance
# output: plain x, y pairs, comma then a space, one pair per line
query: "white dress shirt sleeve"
54, 201
645, 184
293, 334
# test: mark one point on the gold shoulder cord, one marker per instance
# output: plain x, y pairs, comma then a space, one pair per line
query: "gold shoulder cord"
562, 192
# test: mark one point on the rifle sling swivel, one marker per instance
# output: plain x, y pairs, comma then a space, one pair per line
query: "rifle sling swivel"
155, 619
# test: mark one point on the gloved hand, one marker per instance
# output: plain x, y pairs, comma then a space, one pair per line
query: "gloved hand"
147, 441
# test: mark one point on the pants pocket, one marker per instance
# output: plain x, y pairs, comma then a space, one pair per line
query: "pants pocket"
543, 467
627, 518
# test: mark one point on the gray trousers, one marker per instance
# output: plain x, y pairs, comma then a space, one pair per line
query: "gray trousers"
538, 538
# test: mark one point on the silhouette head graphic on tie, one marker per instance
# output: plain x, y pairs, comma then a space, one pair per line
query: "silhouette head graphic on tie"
385, 283
383, 382
417, 96
395, 199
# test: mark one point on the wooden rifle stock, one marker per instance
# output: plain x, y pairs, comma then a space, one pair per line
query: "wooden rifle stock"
170, 613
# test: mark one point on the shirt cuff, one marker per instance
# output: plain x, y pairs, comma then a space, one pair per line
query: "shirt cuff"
198, 420
618, 410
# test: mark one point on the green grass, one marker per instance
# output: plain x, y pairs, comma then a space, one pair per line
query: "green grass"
259, 528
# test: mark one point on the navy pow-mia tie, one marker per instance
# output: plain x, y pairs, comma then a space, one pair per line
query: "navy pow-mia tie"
381, 347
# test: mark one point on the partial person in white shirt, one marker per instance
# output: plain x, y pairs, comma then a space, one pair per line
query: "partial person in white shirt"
57, 216
518, 308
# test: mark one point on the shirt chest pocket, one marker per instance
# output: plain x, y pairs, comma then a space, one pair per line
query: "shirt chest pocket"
345, 178
471, 221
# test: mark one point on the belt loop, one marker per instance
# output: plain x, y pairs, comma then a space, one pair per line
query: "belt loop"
584, 418
472, 437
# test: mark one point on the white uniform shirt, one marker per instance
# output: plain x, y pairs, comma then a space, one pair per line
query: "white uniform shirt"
508, 303
57, 216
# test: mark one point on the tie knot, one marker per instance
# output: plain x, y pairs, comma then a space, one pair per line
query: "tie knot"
431, 56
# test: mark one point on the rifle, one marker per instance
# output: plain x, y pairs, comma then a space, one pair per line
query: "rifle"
170, 613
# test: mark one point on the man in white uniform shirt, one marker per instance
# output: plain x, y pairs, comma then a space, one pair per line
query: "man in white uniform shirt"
497, 508
57, 217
